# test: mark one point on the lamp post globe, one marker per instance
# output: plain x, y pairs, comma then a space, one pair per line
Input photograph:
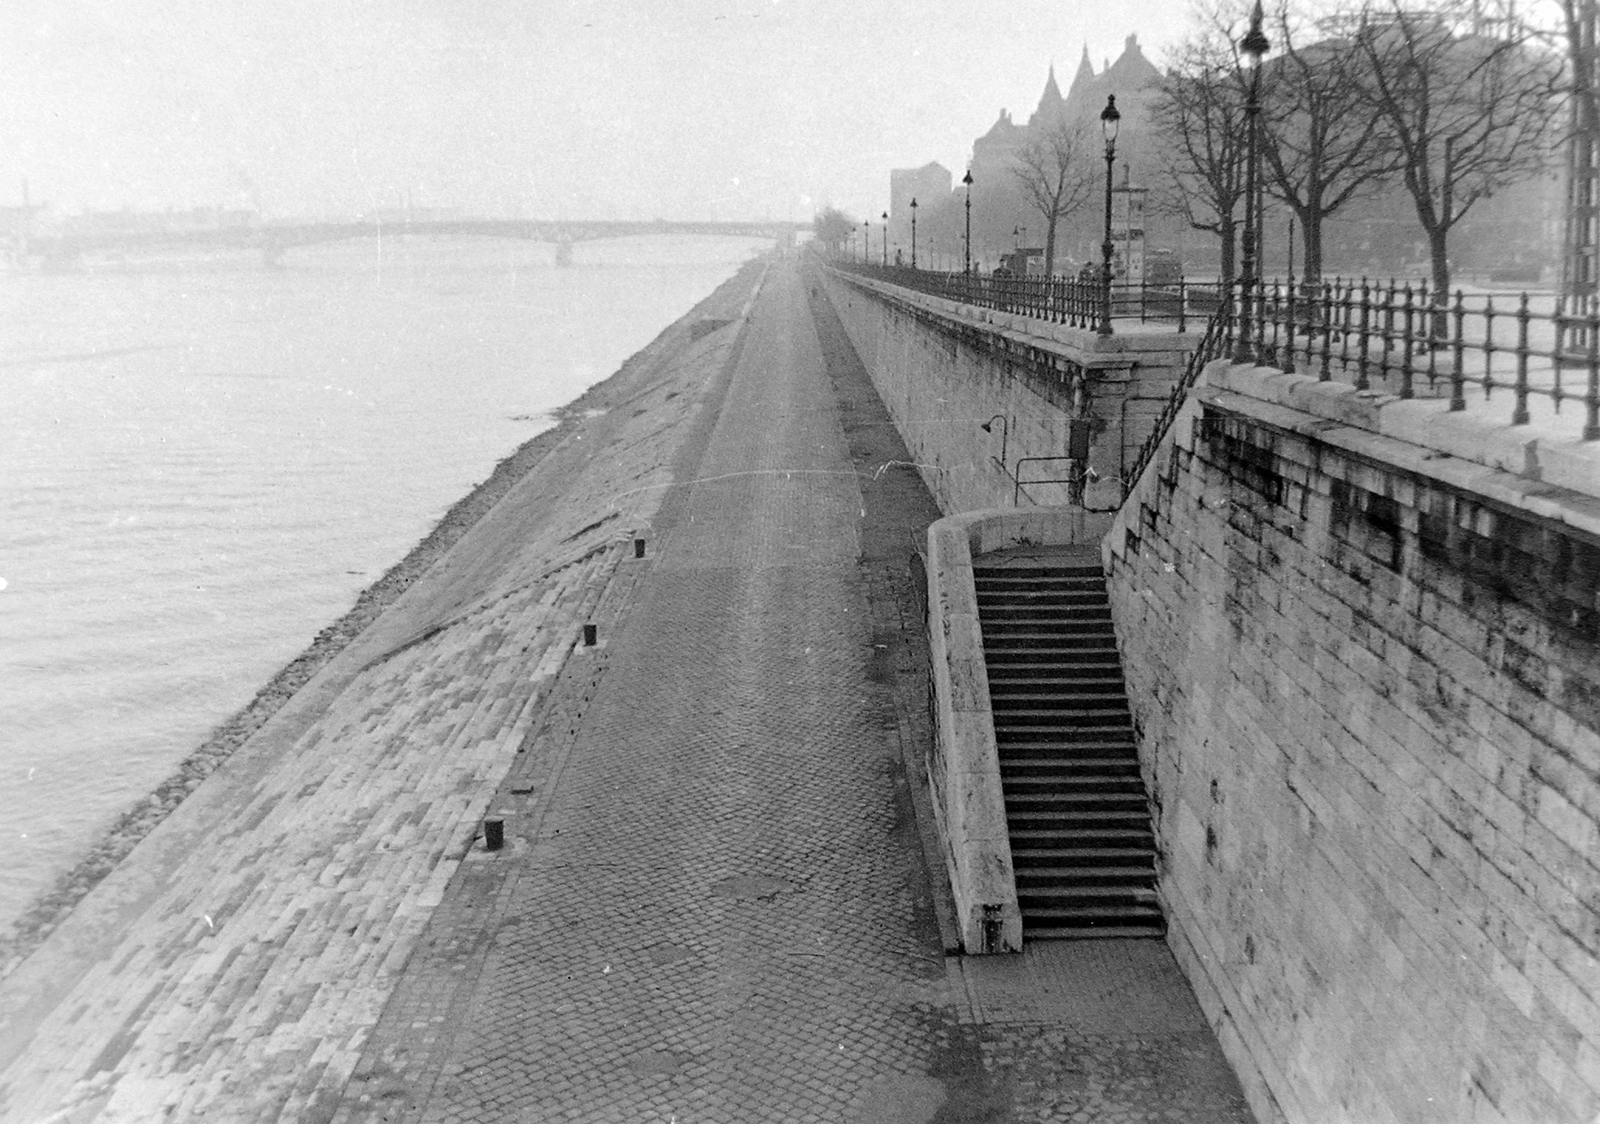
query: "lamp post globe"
913, 233
1254, 46
1110, 122
966, 251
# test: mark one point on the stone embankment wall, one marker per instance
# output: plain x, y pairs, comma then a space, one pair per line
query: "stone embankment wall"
1367, 686
945, 369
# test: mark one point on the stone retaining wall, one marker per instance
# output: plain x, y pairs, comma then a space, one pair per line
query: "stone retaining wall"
945, 369
1365, 679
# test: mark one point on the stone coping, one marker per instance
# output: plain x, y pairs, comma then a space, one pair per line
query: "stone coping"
964, 769
1089, 349
1481, 435
1526, 467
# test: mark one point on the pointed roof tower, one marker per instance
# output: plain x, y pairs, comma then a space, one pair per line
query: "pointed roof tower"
1050, 102
1082, 80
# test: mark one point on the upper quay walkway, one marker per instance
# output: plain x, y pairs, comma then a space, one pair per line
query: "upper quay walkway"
714, 901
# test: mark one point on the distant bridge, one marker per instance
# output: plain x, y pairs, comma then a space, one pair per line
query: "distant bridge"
273, 240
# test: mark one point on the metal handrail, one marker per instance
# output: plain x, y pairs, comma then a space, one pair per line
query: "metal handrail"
1213, 344
1018, 481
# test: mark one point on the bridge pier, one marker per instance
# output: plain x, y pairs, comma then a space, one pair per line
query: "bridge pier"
564, 252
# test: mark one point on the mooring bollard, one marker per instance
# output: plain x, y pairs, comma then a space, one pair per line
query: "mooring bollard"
494, 834
638, 548
590, 635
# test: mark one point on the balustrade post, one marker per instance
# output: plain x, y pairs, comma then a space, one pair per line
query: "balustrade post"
1324, 371
1364, 341
1519, 416
1387, 331
1488, 346
1261, 317
1458, 363
1407, 390
1591, 398
1288, 328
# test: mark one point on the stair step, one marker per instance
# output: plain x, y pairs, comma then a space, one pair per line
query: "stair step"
1034, 573
1102, 766
1083, 835
1063, 834
1045, 788
1017, 678
1067, 621
1071, 806
1090, 903
1019, 734
1039, 876
1024, 731
998, 593
1048, 615
1093, 856
1052, 648
1046, 643
1079, 818
1092, 933
1047, 707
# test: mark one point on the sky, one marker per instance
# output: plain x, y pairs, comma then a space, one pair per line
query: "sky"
683, 109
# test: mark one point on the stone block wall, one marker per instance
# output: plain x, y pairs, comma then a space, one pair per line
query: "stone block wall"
1367, 689
945, 369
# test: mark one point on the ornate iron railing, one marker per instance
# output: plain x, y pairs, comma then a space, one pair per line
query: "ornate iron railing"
1408, 340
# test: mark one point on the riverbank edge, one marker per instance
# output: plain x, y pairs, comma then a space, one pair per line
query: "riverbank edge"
48, 909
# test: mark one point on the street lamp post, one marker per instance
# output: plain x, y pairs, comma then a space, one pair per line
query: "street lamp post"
913, 233
1110, 119
1254, 45
886, 239
966, 251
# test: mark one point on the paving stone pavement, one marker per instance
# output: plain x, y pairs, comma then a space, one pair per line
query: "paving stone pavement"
720, 909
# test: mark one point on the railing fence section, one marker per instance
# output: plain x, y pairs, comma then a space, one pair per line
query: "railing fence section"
1417, 342
1405, 338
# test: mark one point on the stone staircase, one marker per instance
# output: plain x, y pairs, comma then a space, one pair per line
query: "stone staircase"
1076, 807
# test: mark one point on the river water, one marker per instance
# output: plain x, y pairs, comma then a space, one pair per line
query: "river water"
203, 463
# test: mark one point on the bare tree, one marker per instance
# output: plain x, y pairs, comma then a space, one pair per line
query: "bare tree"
1320, 150
1468, 107
1199, 112
1056, 177
833, 228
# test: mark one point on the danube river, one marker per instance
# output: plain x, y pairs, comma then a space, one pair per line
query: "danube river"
203, 463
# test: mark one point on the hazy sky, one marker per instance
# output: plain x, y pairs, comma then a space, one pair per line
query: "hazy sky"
604, 108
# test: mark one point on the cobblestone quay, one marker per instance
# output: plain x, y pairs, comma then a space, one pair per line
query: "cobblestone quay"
713, 902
